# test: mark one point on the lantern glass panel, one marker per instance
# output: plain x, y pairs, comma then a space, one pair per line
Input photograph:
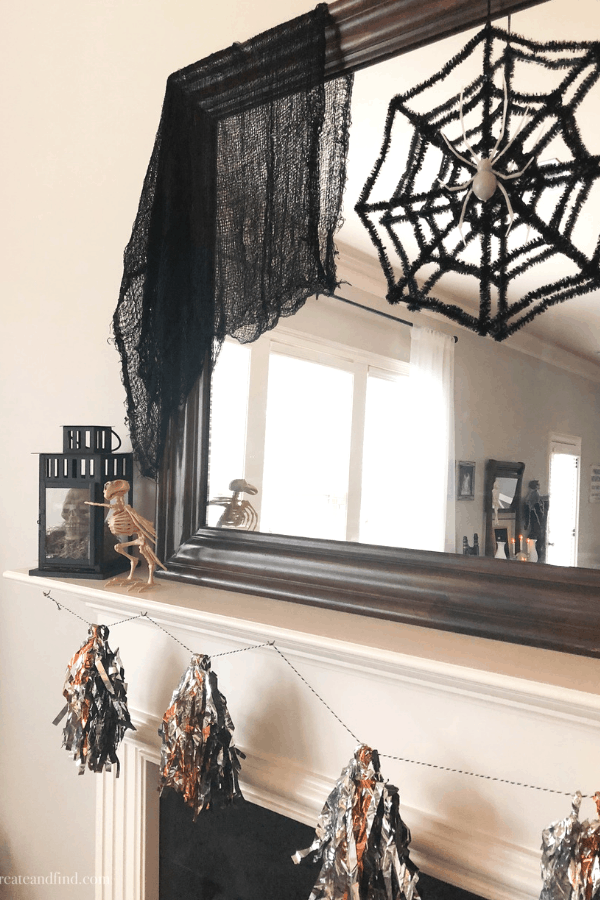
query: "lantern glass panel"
67, 523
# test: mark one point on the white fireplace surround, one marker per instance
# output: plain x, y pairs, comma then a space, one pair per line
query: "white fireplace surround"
424, 705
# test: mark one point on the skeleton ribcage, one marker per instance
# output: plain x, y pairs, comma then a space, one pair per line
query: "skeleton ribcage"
121, 523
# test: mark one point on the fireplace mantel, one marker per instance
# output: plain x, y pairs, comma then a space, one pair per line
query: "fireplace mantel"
466, 703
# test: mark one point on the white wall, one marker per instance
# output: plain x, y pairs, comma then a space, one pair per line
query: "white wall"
507, 405
82, 87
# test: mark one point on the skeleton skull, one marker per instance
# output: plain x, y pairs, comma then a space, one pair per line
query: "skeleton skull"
76, 515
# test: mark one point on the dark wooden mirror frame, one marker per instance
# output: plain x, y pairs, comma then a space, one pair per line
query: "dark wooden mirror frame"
537, 605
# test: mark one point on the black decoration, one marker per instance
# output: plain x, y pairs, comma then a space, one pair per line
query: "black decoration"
96, 710
236, 220
415, 230
74, 539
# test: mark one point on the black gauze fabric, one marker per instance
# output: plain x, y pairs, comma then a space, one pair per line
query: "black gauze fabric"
235, 225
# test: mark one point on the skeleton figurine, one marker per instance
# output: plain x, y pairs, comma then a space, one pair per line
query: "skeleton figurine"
238, 513
124, 521
486, 178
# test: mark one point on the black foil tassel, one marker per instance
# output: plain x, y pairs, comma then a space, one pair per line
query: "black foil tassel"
96, 710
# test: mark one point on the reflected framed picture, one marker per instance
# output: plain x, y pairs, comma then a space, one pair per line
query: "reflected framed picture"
465, 480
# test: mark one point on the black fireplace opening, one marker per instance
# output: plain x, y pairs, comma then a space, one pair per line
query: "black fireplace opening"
243, 852
239, 852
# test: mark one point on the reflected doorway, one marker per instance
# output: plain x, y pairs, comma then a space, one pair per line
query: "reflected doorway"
563, 511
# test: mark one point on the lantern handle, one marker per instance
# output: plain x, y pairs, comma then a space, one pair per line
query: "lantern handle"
112, 430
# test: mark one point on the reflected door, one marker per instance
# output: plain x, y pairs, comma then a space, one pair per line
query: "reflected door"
563, 512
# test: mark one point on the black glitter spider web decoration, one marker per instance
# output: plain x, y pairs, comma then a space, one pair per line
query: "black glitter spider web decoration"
416, 230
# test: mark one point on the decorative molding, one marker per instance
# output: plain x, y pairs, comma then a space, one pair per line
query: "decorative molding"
121, 826
473, 860
455, 849
564, 704
362, 271
552, 607
121, 820
470, 859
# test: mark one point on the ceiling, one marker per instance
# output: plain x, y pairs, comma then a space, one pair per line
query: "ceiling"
573, 325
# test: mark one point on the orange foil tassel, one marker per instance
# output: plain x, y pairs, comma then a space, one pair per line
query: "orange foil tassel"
199, 758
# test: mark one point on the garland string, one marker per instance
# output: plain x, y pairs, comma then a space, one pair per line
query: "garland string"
243, 649
168, 633
61, 606
533, 787
301, 677
414, 762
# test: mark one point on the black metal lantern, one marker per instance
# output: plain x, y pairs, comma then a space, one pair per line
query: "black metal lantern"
74, 539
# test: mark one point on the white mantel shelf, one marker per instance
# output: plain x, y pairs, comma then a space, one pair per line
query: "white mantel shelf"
448, 699
560, 677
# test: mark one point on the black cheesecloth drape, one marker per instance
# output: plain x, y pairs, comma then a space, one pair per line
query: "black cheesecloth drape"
235, 225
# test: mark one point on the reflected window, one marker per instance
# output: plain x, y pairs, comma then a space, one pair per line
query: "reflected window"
386, 463
506, 489
324, 435
307, 449
228, 418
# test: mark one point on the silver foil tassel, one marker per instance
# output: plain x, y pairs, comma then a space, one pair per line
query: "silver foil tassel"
587, 885
362, 839
571, 856
199, 758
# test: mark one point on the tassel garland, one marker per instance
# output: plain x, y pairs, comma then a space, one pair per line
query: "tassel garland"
362, 839
199, 758
359, 836
96, 710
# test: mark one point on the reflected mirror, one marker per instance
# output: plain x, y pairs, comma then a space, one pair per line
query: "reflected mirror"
319, 424
506, 491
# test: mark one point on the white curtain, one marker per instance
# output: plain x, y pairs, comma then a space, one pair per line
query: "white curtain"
431, 478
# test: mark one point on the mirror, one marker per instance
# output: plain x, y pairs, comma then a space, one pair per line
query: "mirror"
485, 597
509, 397
502, 502
507, 490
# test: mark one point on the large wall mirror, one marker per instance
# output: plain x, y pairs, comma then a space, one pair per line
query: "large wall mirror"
315, 425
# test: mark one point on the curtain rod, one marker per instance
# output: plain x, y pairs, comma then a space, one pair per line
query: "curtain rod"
377, 312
